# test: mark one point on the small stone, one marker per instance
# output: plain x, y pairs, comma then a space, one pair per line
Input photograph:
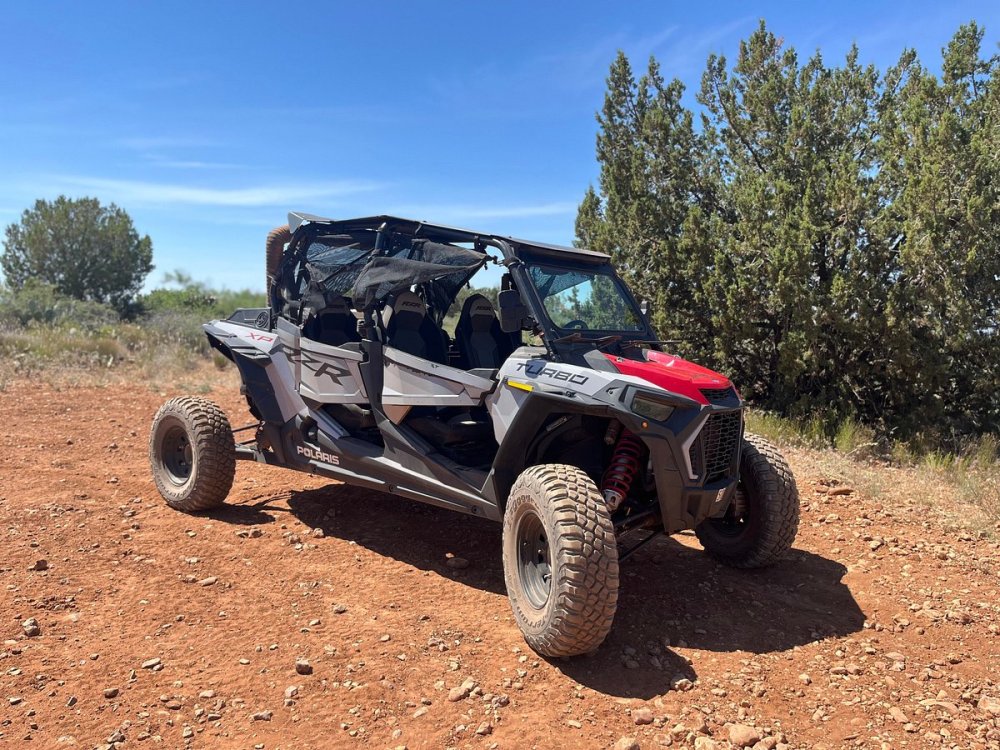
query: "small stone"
151, 663
111, 693
574, 723
462, 691
805, 679
302, 666
627, 743
989, 705
743, 736
845, 490
116, 736
897, 715
14, 700
484, 729
385, 638
71, 701
39, 565
642, 716
419, 712
704, 743
262, 716
291, 691
339, 609
187, 733
208, 581
31, 627
206, 695
457, 563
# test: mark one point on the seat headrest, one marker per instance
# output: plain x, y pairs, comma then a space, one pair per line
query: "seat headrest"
478, 306
406, 308
338, 306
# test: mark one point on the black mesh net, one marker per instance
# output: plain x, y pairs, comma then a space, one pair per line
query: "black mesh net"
418, 262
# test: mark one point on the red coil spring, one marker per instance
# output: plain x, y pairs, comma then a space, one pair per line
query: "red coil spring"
625, 464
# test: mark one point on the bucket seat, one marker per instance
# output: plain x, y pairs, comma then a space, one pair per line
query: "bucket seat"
409, 328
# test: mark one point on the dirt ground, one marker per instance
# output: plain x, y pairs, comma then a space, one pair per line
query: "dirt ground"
163, 629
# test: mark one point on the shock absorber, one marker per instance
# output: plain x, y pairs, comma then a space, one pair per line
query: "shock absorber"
621, 472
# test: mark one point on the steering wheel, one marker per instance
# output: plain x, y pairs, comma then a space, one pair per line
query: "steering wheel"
578, 324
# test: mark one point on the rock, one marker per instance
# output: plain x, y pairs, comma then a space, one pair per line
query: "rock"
14, 700
484, 729
743, 736
704, 743
291, 691
110, 693
805, 679
339, 609
187, 733
151, 663
574, 723
642, 716
206, 695
897, 715
627, 743
116, 736
31, 627
262, 716
845, 490
989, 705
419, 712
208, 581
462, 691
39, 565
457, 563
302, 666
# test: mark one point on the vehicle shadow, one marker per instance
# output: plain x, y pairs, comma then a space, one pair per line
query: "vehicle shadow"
672, 594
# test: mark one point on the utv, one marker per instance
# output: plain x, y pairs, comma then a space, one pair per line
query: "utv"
577, 440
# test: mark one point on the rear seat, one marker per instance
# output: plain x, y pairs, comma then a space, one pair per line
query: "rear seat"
410, 329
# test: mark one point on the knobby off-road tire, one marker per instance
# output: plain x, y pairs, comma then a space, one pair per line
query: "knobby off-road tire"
556, 521
192, 454
765, 530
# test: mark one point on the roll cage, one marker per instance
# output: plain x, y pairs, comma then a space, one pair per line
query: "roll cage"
384, 251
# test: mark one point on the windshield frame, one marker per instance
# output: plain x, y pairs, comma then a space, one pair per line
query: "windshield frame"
551, 332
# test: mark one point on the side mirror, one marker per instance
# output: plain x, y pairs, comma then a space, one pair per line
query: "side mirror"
512, 311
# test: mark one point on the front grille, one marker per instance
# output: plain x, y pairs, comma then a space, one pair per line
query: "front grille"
712, 453
718, 395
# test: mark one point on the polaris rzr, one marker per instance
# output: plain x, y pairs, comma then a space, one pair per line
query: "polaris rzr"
553, 409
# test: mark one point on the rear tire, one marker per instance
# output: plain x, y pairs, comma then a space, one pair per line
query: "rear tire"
762, 521
560, 560
192, 454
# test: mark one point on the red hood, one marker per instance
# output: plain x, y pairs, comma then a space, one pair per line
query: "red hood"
672, 373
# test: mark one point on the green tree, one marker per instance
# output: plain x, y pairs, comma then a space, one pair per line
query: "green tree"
83, 249
827, 235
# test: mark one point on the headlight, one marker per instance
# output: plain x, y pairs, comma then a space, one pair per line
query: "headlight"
651, 408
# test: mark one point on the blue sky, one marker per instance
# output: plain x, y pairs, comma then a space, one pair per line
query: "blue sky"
208, 121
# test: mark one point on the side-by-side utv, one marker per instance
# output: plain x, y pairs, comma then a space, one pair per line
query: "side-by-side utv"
553, 409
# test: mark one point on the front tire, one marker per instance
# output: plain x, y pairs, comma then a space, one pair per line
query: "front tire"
560, 560
763, 518
192, 454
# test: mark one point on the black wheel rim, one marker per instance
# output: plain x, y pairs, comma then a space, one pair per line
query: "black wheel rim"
534, 564
175, 450
737, 518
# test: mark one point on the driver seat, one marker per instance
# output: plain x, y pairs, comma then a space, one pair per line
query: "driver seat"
478, 337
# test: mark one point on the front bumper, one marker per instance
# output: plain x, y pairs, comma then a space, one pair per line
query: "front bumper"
694, 458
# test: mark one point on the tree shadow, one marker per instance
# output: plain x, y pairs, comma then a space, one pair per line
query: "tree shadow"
672, 594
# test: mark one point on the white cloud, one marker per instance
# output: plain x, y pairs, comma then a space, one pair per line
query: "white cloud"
132, 192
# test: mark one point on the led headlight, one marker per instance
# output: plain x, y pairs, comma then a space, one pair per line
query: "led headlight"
650, 408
